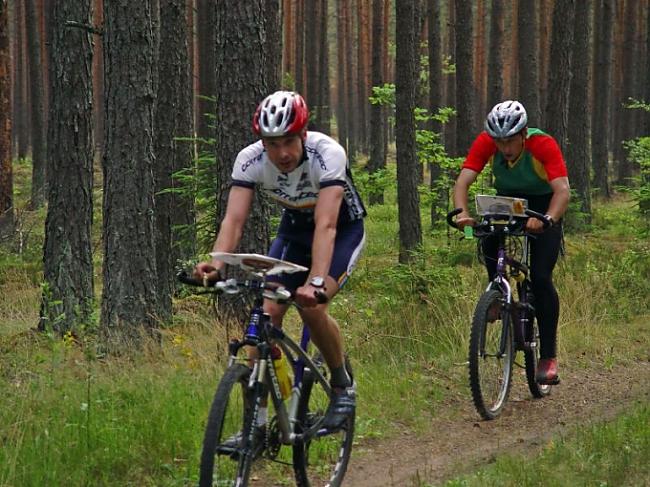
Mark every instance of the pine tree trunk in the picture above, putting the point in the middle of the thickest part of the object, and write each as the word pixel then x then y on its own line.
pixel 129 301
pixel 377 158
pixel 435 103
pixel 299 53
pixel 98 81
pixel 342 75
pixel 22 105
pixel 289 37
pixel 495 56
pixel 6 174
pixel 312 44
pixel 241 85
pixel 557 108
pixel 602 95
pixel 450 97
pixel 67 253
pixel 173 119
pixel 207 72
pixel 626 118
pixel 324 68
pixel 407 69
pixel 579 108
pixel 464 80
pixel 363 79
pixel 273 28
pixel 528 60
pixel 38 109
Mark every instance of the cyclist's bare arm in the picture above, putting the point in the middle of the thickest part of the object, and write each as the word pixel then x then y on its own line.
pixel 558 205
pixel 461 190
pixel 561 196
pixel 240 200
pixel 325 218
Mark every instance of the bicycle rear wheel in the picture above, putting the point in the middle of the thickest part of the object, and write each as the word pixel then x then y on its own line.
pixel 491 354
pixel 322 460
pixel 227 459
pixel 531 359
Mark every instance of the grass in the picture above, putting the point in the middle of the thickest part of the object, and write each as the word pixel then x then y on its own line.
pixel 69 417
pixel 609 454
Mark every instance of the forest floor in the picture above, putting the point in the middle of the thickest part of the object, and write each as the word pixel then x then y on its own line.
pixel 458 442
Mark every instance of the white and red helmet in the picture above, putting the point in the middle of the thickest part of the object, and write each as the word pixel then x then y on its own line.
pixel 281 113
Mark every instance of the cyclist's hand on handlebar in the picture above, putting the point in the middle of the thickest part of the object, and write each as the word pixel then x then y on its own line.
pixel 463 219
pixel 206 272
pixel 307 296
pixel 533 225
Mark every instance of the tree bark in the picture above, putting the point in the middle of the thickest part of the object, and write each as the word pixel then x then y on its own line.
pixel 129 301
pixel 557 108
pixel 342 115
pixel 435 103
pixel 407 64
pixel 273 28
pixel 38 110
pixel 300 49
pixel 313 78
pixel 377 158
pixel 495 56
pixel 450 97
pixel 528 60
pixel 464 79
pixel 98 81
pixel 22 105
pixel 324 113
pixel 207 72
pixel 363 68
pixel 67 302
pixel 173 119
pixel 241 86
pixel 579 108
pixel 626 118
pixel 6 174
pixel 602 99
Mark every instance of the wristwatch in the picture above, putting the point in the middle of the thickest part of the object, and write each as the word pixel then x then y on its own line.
pixel 550 219
pixel 317 281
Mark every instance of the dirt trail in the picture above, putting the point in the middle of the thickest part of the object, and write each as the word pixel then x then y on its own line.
pixel 452 447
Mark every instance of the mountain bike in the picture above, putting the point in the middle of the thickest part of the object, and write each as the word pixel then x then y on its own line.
pixel 504 321
pixel 234 446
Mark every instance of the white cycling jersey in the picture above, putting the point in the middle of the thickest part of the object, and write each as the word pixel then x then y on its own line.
pixel 324 164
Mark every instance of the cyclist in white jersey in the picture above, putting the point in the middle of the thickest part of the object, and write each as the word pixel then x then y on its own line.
pixel 321 228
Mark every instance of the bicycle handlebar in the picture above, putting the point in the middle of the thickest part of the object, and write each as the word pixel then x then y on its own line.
pixel 487 220
pixel 270 290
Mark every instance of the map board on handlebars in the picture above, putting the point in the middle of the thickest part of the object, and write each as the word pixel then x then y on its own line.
pixel 259 263
pixel 500 205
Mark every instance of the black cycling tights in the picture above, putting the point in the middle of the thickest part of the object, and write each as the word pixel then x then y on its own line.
pixel 545 249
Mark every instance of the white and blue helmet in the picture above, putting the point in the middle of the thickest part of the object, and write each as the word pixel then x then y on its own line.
pixel 506 119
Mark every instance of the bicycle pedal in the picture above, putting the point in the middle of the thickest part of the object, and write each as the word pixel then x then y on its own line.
pixel 225 450
pixel 552 382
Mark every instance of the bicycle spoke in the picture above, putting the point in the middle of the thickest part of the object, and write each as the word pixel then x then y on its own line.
pixel 490 365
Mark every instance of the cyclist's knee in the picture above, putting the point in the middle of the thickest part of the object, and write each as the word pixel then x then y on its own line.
pixel 314 316
pixel 276 311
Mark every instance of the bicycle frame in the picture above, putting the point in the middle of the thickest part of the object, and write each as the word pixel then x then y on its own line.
pixel 501 282
pixel 259 333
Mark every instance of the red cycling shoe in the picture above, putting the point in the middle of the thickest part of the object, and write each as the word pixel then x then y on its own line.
pixel 547 372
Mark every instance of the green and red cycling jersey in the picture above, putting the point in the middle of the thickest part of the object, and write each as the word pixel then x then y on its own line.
pixel 529 175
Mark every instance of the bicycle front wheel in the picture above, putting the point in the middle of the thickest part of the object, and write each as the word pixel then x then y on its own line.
pixel 229 444
pixel 491 354
pixel 322 460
